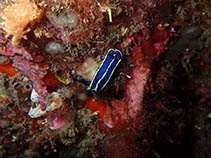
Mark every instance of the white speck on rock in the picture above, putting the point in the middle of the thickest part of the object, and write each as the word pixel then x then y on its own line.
pixel 36 112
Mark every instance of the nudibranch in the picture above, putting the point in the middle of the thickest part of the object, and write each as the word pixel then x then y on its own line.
pixel 104 71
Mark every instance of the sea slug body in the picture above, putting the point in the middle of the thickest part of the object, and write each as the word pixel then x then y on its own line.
pixel 105 70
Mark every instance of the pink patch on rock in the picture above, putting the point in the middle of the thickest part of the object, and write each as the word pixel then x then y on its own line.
pixel 121 108
pixel 157 41
pixel 10 50
pixel 116 114
pixel 137 54
pixel 107 119
pixel 34 71
pixel 135 90
pixel 130 40
pixel 57 123
pixel 40 87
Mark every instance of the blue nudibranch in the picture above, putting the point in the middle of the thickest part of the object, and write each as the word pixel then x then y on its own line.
pixel 104 71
